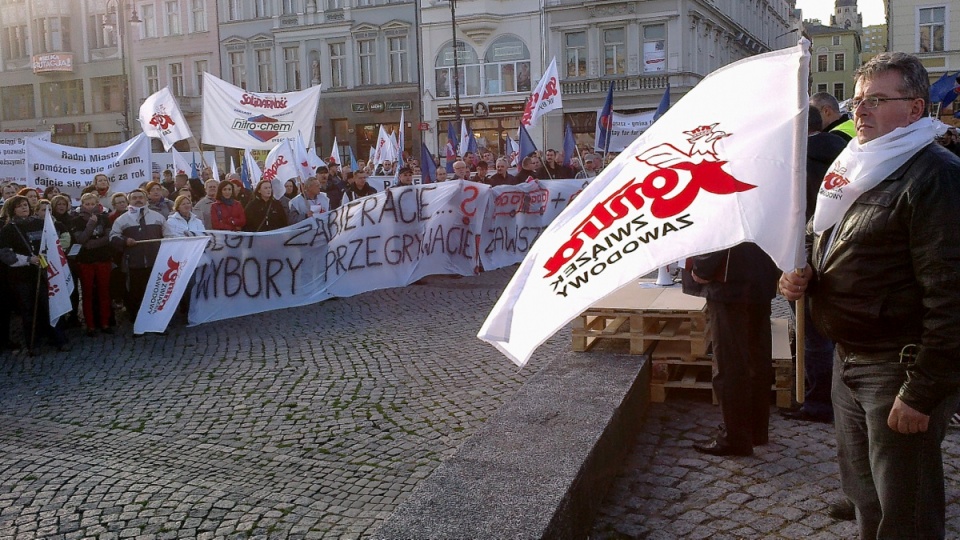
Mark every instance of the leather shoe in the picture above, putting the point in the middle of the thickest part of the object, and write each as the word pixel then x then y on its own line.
pixel 717 448
pixel 843 510
pixel 802 415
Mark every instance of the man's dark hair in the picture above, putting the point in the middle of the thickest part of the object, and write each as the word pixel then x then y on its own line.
pixel 323 169
pixel 814 120
pixel 915 81
pixel 405 170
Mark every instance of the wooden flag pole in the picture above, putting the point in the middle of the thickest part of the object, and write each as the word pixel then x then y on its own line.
pixel 800 332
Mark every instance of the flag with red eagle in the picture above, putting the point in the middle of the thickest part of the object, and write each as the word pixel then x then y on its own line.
pixel 723 166
pixel 160 118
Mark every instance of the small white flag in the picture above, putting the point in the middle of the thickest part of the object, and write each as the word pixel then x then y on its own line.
pixel 59 280
pixel 176 261
pixel 545 97
pixel 280 166
pixel 160 118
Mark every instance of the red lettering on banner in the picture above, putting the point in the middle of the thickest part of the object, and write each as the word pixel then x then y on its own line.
pixel 271 171
pixel 264 103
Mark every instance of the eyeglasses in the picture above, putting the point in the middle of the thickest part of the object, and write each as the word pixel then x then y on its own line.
pixel 873 102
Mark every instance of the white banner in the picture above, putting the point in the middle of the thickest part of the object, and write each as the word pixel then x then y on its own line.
pixel 59 279
pixel 176 262
pixel 545 97
pixel 626 128
pixel 127 165
pixel 13 155
pixel 164 160
pixel 385 240
pixel 160 118
pixel 236 118
pixel 726 165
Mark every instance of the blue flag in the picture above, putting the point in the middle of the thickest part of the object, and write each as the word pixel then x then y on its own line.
pixel 245 172
pixel 664 104
pixel 569 145
pixel 353 160
pixel 605 122
pixel 944 90
pixel 471 141
pixel 526 145
pixel 451 148
pixel 428 169
pixel 193 166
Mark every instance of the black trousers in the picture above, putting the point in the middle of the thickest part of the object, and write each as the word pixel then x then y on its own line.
pixel 742 349
pixel 136 287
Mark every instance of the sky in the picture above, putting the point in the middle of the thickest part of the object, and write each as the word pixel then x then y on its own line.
pixel 872 10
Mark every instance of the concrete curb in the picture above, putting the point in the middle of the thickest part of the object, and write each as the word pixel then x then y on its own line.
pixel 542 465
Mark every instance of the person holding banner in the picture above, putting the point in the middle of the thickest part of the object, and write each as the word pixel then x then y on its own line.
pixel 182 222
pixel 94 263
pixel 264 213
pixel 129 231
pixel 309 202
pixel 226 214
pixel 501 177
pixel 23 234
pixel 884 285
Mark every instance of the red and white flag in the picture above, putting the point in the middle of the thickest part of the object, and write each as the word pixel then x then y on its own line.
pixel 176 261
pixel 335 152
pixel 180 163
pixel 545 97
pixel 280 166
pixel 59 279
pixel 160 118
pixel 725 165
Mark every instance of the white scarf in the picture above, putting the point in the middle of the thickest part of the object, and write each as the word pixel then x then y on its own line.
pixel 860 167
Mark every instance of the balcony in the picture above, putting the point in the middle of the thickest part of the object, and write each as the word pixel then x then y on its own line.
pixel 620 84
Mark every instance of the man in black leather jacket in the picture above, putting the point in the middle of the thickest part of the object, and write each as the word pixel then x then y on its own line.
pixel 885 286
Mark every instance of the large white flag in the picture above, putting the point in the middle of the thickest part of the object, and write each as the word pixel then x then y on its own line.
pixel 176 261
pixel 305 165
pixel 160 118
pixel 239 119
pixel 545 97
pixel 180 163
pixel 59 280
pixel 386 148
pixel 723 166
pixel 280 166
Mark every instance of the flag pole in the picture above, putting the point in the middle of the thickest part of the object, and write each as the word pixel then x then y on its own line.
pixel 36 309
pixel 800 333
pixel 203 162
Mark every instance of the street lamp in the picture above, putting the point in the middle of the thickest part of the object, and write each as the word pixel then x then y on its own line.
pixel 456 69
pixel 116 7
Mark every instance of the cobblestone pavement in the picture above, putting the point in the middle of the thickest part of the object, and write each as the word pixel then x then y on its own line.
pixel 312 422
pixel 667 490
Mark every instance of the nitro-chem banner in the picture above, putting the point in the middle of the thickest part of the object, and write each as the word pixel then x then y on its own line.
pixel 236 118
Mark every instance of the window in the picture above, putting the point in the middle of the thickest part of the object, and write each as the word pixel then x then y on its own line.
pixel 172 9
pixel 613 51
pixel 836 41
pixel 838 62
pixel 176 78
pixel 148 14
pixel 821 87
pixel 468 65
pixel 654 48
pixel 398 59
pixel 18 102
pixel 288 7
pixel 14 42
pixel 364 3
pixel 821 63
pixel 838 91
pixel 337 59
pixel 233 10
pixel 52 35
pixel 368 59
pixel 107 94
pixel 198 16
pixel 238 70
pixel 62 98
pixel 261 8
pixel 199 67
pixel 291 68
pixel 931 28
pixel 334 4
pixel 265 70
pixel 152 76
pixel 576 46
pixel 506 66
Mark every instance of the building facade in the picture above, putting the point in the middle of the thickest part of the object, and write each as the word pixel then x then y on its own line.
pixel 834 59
pixel 62 70
pixel 174 43
pixel 874 40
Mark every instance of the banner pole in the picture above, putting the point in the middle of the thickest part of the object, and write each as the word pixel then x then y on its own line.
pixel 800 333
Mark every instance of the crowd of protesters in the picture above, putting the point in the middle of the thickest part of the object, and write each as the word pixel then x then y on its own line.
pixel 112 238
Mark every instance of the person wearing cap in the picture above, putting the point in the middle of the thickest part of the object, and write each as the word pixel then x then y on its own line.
pixel 331 186
pixel 404 177
pixel 589 167
pixel 359 187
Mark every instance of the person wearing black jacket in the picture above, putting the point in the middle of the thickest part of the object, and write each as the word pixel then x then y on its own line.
pixel 359 187
pixel 739 284
pixel 23 234
pixel 264 213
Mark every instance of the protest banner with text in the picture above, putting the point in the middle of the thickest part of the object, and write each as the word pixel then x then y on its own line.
pixel 13 155
pixel 71 168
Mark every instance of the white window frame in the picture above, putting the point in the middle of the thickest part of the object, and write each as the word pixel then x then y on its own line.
pixel 199 67
pixel 264 59
pixel 175 71
pixel 619 49
pixel 148 16
pixel 945 24
pixel 337 63
pixel 234 12
pixel 198 16
pixel 151 78
pixel 172 25
pixel 366 62
pixel 292 76
pixel 399 63
pixel 580 52
pixel 238 68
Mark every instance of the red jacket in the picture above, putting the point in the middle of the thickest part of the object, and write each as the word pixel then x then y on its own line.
pixel 227 217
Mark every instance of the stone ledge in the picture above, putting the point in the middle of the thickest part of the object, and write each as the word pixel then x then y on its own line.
pixel 542 465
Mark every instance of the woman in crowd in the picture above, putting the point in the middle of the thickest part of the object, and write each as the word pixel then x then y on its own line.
pixel 156 200
pixel 182 222
pixel 60 205
pixel 226 213
pixel 94 263
pixel 22 235
pixel 119 203
pixel 264 213
pixel 50 193
pixel 290 189
pixel 32 197
pixel 101 186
